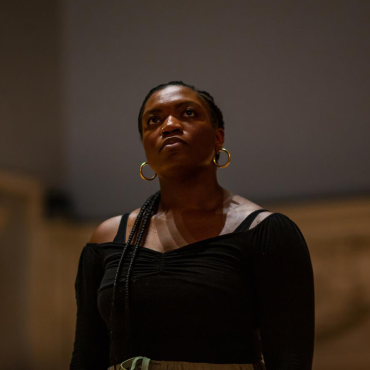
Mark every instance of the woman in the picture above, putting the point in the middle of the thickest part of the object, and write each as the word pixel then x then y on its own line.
pixel 198 277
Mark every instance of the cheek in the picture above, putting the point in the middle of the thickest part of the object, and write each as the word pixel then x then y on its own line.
pixel 204 143
pixel 205 137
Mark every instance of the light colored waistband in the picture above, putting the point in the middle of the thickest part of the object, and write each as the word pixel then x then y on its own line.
pixel 144 363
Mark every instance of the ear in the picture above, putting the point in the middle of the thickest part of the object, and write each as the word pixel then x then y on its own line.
pixel 219 138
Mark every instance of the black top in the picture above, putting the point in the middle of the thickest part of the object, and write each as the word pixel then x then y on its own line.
pixel 215 301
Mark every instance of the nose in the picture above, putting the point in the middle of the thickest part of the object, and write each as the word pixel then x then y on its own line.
pixel 171 124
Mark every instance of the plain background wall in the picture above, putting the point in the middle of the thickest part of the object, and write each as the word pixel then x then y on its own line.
pixel 31 126
pixel 291 78
pixel 30 143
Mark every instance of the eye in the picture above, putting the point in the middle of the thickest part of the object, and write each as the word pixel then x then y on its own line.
pixel 190 113
pixel 153 119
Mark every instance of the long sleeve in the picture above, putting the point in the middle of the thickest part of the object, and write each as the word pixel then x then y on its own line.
pixel 91 346
pixel 285 296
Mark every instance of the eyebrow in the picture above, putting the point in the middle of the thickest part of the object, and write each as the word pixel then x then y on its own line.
pixel 177 105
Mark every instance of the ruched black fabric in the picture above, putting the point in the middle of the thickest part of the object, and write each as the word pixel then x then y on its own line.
pixel 219 300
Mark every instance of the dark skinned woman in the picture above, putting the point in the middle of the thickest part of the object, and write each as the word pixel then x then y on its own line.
pixel 198 277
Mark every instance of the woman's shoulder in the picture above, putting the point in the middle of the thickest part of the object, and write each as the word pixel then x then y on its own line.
pixel 277 220
pixel 280 233
pixel 243 207
pixel 108 229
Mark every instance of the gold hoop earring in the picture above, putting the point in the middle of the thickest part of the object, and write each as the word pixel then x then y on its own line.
pixel 228 158
pixel 142 175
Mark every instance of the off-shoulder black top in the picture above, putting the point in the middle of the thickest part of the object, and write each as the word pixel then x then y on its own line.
pixel 220 300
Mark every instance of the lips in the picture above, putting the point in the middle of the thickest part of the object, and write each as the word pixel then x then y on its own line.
pixel 171 140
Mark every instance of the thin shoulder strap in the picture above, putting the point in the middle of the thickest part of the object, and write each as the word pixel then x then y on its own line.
pixel 248 221
pixel 121 234
pixel 252 216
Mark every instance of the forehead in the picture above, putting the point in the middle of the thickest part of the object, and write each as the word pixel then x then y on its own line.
pixel 171 95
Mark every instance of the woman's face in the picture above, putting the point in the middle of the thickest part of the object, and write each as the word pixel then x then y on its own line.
pixel 177 112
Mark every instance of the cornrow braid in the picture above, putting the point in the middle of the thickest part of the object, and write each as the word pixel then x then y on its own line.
pixel 217 118
pixel 146 211
pixel 216 113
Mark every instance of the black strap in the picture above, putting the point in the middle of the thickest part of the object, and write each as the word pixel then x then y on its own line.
pixel 248 221
pixel 121 234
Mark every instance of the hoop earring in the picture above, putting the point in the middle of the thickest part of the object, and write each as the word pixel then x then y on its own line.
pixel 228 158
pixel 142 175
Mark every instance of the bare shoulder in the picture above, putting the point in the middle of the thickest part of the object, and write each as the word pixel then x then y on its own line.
pixel 131 220
pixel 132 217
pixel 245 207
pixel 106 231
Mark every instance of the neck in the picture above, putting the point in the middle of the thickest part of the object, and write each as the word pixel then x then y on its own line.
pixel 199 193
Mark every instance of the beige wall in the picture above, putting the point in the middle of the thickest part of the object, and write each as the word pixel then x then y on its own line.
pixel 338 235
pixel 38 269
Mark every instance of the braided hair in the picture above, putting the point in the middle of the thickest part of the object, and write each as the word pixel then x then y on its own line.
pixel 148 209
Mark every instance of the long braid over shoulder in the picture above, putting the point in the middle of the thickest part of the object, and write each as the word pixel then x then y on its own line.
pixel 143 218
